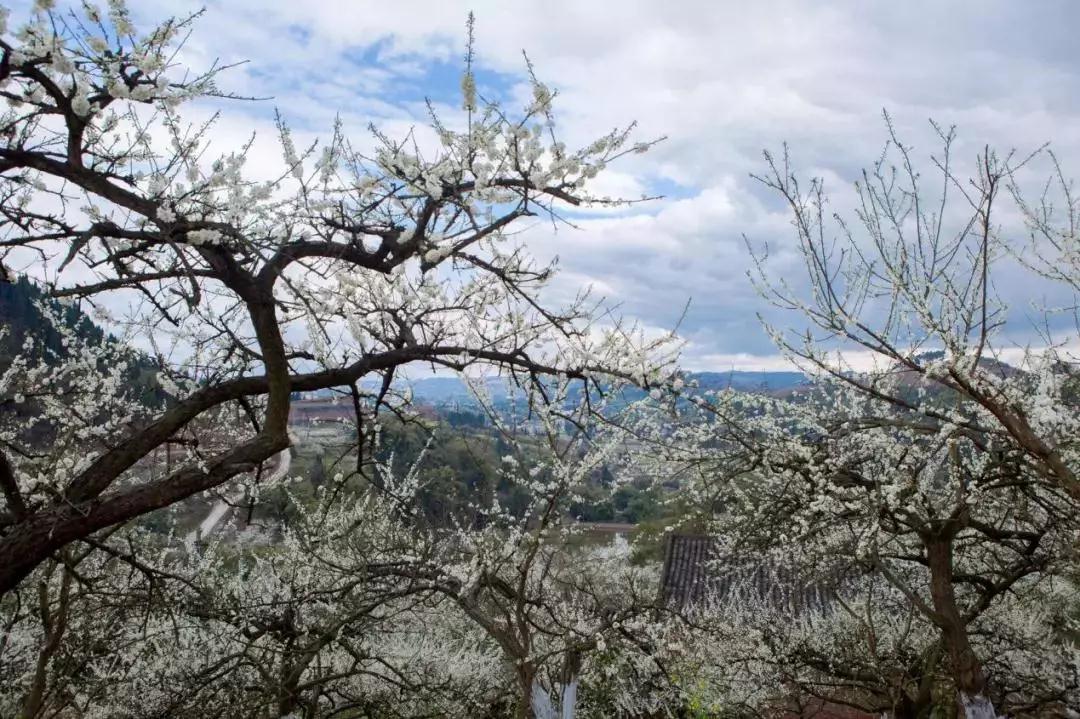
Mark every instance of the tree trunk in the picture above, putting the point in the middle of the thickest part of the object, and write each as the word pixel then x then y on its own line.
pixel 528 687
pixel 544 707
pixel 966 669
pixel 540 703
pixel 568 700
pixel 977 706
pixel 55 624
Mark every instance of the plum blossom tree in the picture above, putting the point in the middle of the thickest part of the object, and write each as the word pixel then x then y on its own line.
pixel 242 290
pixel 936 492
pixel 348 264
pixel 361 606
pixel 555 617
pixel 317 627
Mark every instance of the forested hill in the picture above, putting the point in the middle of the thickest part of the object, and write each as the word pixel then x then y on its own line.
pixel 20 316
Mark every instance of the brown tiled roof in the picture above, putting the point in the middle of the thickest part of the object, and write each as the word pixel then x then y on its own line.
pixel 684 577
pixel 695 575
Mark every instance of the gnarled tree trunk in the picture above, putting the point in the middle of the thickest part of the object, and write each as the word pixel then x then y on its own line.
pixel 965 667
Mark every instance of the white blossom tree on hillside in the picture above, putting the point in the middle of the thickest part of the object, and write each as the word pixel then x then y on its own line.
pixel 557 616
pixel 362 606
pixel 943 481
pixel 321 625
pixel 346 265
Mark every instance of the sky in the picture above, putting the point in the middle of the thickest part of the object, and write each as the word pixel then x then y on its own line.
pixel 720 80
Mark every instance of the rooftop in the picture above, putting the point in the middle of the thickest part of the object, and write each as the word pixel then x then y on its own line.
pixel 695 574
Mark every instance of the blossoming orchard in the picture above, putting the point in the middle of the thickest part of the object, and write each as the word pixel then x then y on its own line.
pixel 225 492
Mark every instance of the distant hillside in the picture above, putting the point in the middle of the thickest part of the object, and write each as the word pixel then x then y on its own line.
pixel 443 391
pixel 20 317
pixel 750 381
pixel 448 390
